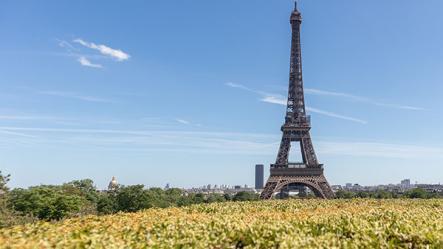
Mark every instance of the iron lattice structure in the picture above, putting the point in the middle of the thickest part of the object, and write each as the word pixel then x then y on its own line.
pixel 296 128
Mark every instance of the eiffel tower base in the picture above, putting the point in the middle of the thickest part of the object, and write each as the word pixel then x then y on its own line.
pixel 317 184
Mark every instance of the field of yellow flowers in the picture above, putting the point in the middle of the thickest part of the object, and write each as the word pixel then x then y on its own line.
pixel 270 224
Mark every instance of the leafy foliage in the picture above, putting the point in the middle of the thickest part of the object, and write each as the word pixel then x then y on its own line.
pixel 358 223
pixel 4 179
pixel 81 197
pixel 46 202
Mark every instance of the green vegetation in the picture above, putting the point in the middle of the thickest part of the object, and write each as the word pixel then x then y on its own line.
pixel 415 193
pixel 81 198
pixel 310 223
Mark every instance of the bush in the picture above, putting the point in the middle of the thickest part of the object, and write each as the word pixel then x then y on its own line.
pixel 132 199
pixel 46 202
pixel 246 196
pixel 419 193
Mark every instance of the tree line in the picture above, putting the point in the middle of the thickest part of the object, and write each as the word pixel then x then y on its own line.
pixel 416 193
pixel 81 197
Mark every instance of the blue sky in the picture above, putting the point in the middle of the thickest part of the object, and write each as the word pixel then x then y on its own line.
pixel 189 92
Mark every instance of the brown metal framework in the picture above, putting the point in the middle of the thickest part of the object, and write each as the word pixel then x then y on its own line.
pixel 308 173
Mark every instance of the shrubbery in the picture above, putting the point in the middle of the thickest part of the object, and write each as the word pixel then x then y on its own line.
pixel 415 193
pixel 79 198
pixel 312 223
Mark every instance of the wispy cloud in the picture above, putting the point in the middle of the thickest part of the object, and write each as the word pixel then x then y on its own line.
pixel 235 85
pixel 145 141
pixel 274 100
pixel 117 54
pixel 182 121
pixel 16 134
pixel 187 122
pixel 360 99
pixel 68 46
pixel 281 100
pixel 85 59
pixel 207 142
pixel 379 150
pixel 19 117
pixel 85 62
pixel 243 87
pixel 335 115
pixel 74 96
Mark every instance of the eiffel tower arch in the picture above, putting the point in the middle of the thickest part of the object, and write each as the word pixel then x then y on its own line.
pixel 297 126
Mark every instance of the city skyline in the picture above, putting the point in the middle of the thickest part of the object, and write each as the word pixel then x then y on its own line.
pixel 89 95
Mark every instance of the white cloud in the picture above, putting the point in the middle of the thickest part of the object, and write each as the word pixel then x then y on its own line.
pixel 105 50
pixel 274 100
pixel 235 85
pixel 16 134
pixel 379 150
pixel 282 101
pixel 68 46
pixel 242 87
pixel 85 62
pixel 335 115
pixel 145 141
pixel 16 117
pixel 74 96
pixel 182 121
pixel 208 142
pixel 361 99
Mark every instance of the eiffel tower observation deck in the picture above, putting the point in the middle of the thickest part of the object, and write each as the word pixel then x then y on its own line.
pixel 297 126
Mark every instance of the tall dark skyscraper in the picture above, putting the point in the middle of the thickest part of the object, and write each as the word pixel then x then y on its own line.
pixel 259 176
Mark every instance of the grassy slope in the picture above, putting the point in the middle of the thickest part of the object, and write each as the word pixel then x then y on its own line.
pixel 287 224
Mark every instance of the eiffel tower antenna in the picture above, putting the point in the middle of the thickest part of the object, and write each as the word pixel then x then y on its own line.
pixel 297 126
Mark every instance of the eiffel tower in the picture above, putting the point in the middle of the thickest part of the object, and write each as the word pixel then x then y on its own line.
pixel 308 173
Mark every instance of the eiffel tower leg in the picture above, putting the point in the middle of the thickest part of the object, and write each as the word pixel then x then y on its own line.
pixel 270 188
pixel 318 184
pixel 325 187
pixel 308 150
pixel 283 152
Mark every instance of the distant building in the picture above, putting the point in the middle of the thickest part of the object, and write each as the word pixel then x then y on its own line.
pixel 167 186
pixel 113 184
pixel 357 187
pixel 336 188
pixel 259 176
pixel 405 184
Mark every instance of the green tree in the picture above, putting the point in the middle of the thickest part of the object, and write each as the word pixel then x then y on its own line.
pixel 215 198
pixel 4 179
pixel 107 203
pixel 382 194
pixel 419 193
pixel 46 202
pixel 198 198
pixel 173 195
pixel 362 194
pixel 132 199
pixel 84 188
pixel 227 197
pixel 245 196
pixel 342 194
